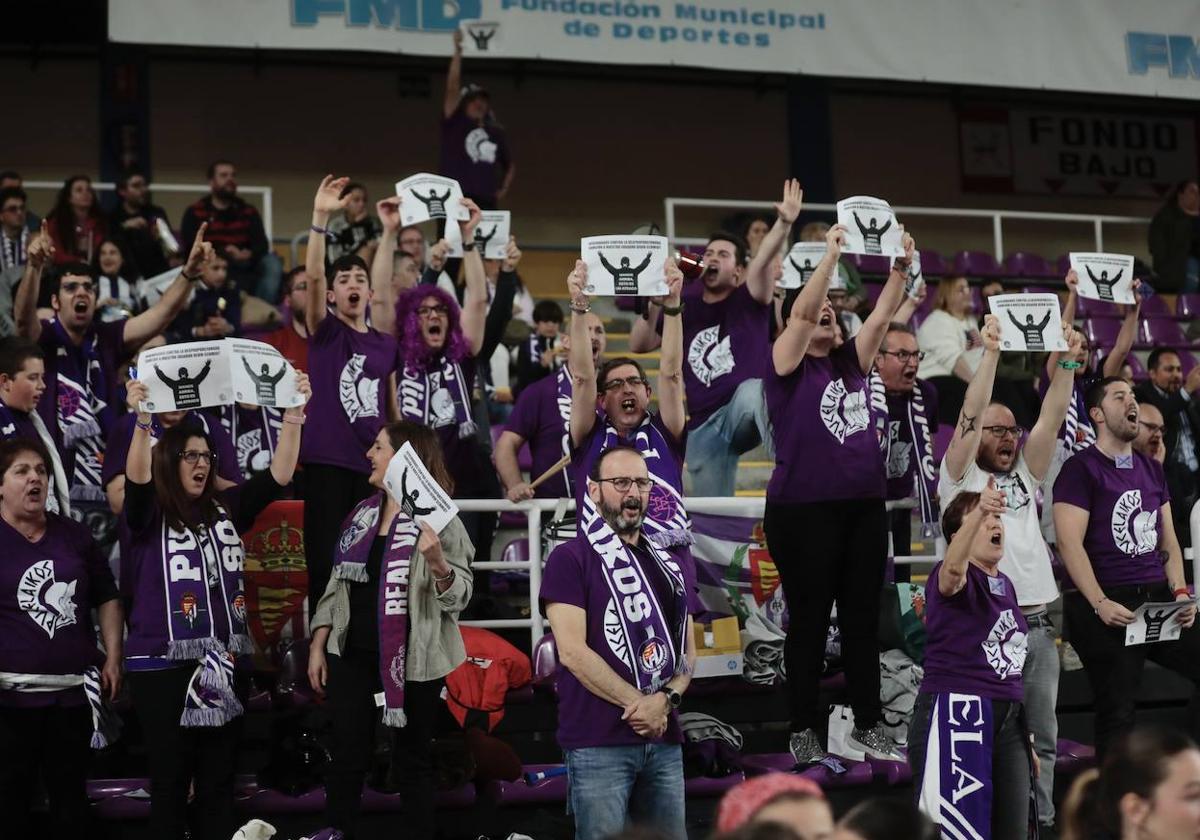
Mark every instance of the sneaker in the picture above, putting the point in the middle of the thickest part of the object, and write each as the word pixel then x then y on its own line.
pixel 805 747
pixel 876 743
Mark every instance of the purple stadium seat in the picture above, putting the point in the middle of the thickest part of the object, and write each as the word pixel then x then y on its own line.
pixel 1156 306
pixel 545 661
pixel 546 792
pixel 524 459
pixel 854 260
pixel 977 301
pixel 503 581
pixel 374 801
pixel 1041 290
pixel 1102 332
pixel 976 264
pixel 292 686
pixel 941 441
pixel 252 799
pixel 1064 264
pixel 119 799
pixel 858 773
pixel 1072 758
pixel 872 291
pixel 874 264
pixel 626 303
pixel 1139 370
pixel 1088 308
pixel 891 773
pixel 1188 305
pixel 258 701
pixel 705 787
pixel 932 264
pixel 1162 332
pixel 1025 264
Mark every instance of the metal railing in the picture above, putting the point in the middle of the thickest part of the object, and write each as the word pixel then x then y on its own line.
pixel 265 194
pixel 671 205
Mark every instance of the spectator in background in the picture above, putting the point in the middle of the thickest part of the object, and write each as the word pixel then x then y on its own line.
pixel 950 340
pixel 9 178
pixel 753 232
pixel 885 819
pixel 543 352
pixel 411 240
pixel 138 225
pixel 354 230
pixel 1181 484
pixel 116 296
pixel 236 231
pixel 474 145
pixel 215 310
pixel 1018 373
pixel 1165 390
pixel 22 382
pixel 14 232
pixel 1174 240
pixel 76 224
pixel 291 340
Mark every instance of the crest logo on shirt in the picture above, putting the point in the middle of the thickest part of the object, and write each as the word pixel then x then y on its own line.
pixel 49 602
pixel 710 355
pixel 652 656
pixel 1135 531
pixel 441 409
pixel 479 146
pixel 614 634
pixel 899 452
pixel 1014 489
pixel 844 413
pixel 252 457
pixel 359 395
pixel 1005 646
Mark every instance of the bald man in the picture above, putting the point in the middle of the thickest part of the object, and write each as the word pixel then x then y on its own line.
pixel 1180 482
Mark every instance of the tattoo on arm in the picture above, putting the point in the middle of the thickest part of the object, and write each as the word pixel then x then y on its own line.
pixel 966 425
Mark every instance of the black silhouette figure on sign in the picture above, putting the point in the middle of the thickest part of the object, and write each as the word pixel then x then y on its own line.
pixel 1156 622
pixel 186 388
pixel 872 234
pixel 481 241
pixel 265 381
pixel 1032 331
pixel 408 501
pixel 625 278
pixel 1104 286
pixel 805 271
pixel 482 36
pixel 436 204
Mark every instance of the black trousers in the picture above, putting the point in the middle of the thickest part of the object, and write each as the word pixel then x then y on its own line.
pixel 51 745
pixel 826 552
pixel 353 683
pixel 1114 670
pixel 330 493
pixel 180 756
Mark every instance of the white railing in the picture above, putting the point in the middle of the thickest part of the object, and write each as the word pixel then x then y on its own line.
pixel 265 194
pixel 533 509
pixel 997 217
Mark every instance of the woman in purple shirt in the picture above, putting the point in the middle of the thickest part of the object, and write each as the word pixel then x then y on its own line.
pixel 825 516
pixel 52 675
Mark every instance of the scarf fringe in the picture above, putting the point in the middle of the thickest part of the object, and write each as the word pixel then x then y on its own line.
pixel 207 717
pixel 193 648
pixel 87 493
pixel 467 429
pixel 395 718
pixel 240 643
pixel 670 538
pixel 77 431
pixel 356 572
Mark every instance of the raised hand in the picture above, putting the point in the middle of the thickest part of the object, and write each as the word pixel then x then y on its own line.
pixel 329 198
pixel 438 253
pixel 1074 342
pixel 577 284
pixel 992 499
pixel 200 254
pixel 468 227
pixel 674 281
pixel 304 389
pixel 793 199
pixel 512 255
pixel 1072 281
pixel 909 245
pixel 457 38
pixel 430 546
pixel 835 240
pixel 990 333
pixel 388 210
pixel 40 249
pixel 136 393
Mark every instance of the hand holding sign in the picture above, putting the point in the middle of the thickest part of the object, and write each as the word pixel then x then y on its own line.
pixel 207 373
pixel 1156 622
pixel 427 196
pixel 1029 322
pixel 870 225
pixel 1107 277
pixel 625 265
pixel 417 492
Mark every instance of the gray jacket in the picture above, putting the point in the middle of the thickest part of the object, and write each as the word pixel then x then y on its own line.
pixel 435 647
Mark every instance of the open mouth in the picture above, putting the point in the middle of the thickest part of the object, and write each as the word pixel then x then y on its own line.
pixel 81 307
pixel 354 298
pixel 631 506
pixel 629 404
pixel 1131 415
pixel 826 319
pixel 35 494
pixel 199 477
pixel 997 538
pixel 711 269
pixel 435 330
pixel 909 375
pixel 1006 450
pixel 595 347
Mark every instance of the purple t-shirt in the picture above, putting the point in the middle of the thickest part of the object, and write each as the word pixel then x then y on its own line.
pixel 117 452
pixel 543 420
pixel 574 575
pixel 904 456
pixel 975 640
pixel 474 155
pixel 1124 526
pixel 826 439
pixel 50 588
pixel 349 372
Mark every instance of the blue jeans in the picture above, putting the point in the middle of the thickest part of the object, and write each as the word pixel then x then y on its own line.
pixel 1040 679
pixel 610 786
pixel 713 447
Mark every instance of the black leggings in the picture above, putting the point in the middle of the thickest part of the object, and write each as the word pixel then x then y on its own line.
pixel 330 493
pixel 51 744
pixel 353 683
pixel 826 552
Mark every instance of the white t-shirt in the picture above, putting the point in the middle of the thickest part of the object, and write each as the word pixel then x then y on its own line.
pixel 1026 556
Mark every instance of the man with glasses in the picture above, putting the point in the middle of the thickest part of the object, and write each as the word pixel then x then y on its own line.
pixel 1181 483
pixel 987 444
pixel 14 233
pixel 618 607
pixel 1167 391
pixel 912 421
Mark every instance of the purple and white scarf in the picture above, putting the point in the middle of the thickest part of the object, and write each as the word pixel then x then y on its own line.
pixel 83 414
pixel 419 400
pixel 650 649
pixel 210 699
pixel 58 499
pixel 106 723
pixel 667 523
pixel 353 549
pixel 1077 431
pixel 564 390
pixel 925 477
pixel 14 251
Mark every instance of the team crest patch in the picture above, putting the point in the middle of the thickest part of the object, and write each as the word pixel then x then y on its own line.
pixel 359 395
pixel 844 413
pixel 396 669
pixel 238 607
pixel 1135 531
pixel 358 528
pixel 189 608
pixel 652 656
pixel 1005 646
pixel 661 504
pixel 47 601
pixel 709 355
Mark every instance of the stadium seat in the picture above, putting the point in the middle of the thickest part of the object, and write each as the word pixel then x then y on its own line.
pixel 977 264
pixel 1025 264
pixel 1187 305
pixel 545 662
pixel 874 264
pixel 1187 361
pixel 1063 264
pixel 1088 308
pixel 1102 332
pixel 1156 306
pixel 932 264
pixel 858 773
pixel 503 581
pixel 708 787
pixel 1162 332
pixel 890 773
pixel 292 687
pixel 119 799
pixel 1072 758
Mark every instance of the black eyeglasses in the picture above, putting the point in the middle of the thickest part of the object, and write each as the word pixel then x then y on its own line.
pixel 904 356
pixel 1152 428
pixel 426 311
pixel 15 208
pixel 623 483
pixel 72 286
pixel 618 384
pixel 195 456
pixel 1001 431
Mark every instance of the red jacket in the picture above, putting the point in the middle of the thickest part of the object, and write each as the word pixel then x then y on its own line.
pixel 493 667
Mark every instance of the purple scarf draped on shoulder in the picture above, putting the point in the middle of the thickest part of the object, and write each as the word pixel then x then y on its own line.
pixel 417 395
pixel 918 428
pixel 353 549
pixel 82 411
pixel 562 394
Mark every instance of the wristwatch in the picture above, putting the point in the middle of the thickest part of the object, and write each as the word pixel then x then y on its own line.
pixel 673 696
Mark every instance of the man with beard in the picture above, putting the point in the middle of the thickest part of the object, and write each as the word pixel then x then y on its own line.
pixel 135 224
pixel 618 607
pixel 1167 391
pixel 912 421
pixel 726 329
pixel 987 445
pixel 1109 505
pixel 291 340
pixel 542 417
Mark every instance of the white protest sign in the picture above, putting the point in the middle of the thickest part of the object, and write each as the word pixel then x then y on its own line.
pixel 206 373
pixel 625 265
pixel 419 495
pixel 481 37
pixel 1104 276
pixel 424 197
pixel 871 226
pixel 800 263
pixel 153 288
pixel 1157 621
pixel 1031 322
pixel 914 280
pixel 491 236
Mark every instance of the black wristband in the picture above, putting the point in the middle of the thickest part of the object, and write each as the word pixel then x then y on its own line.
pixel 468 246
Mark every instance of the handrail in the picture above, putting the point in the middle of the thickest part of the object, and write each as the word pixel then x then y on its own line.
pixel 1098 221
pixel 267 194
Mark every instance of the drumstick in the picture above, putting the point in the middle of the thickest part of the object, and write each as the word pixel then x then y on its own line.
pixel 562 462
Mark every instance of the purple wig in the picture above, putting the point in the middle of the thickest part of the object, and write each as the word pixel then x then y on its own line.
pixel 417 355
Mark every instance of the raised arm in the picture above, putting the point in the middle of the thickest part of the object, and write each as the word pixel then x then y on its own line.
pixel 453 78
pixel 670 366
pixel 952 575
pixel 1068 316
pixel 583 367
pixel 908 306
pixel 760 278
pixel 1070 525
pixel 287 450
pixel 141 328
pixel 789 349
pixel 500 310
pixel 870 337
pixel 39 252
pixel 327 201
pixel 964 445
pixel 383 263
pixel 644 337
pixel 1125 338
pixel 137 462
pixel 475 302
pixel 1043 438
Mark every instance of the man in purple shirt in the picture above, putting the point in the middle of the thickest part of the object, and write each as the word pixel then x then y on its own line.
pixel 1112 513
pixel 726 327
pixel 618 610
pixel 542 417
